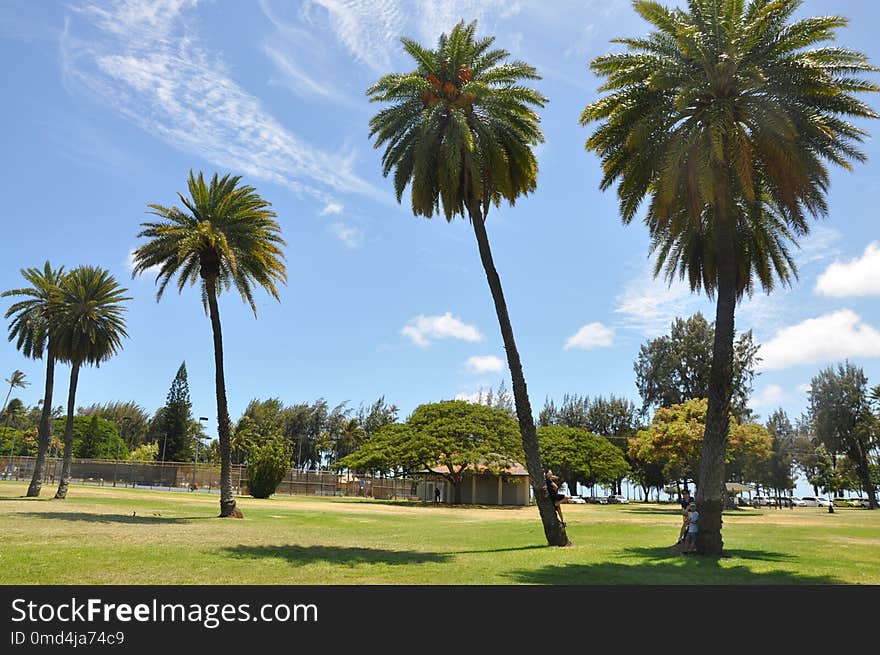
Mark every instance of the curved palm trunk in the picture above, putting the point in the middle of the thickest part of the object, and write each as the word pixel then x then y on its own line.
pixel 553 529
pixel 45 429
pixel 711 477
pixel 227 499
pixel 64 483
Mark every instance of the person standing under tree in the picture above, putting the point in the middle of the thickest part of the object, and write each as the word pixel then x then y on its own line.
pixel 436 495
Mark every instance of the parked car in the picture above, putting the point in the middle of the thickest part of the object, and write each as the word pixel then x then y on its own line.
pixel 617 500
pixel 798 502
pixel 815 501
pixel 577 500
pixel 597 500
pixel 858 502
pixel 759 501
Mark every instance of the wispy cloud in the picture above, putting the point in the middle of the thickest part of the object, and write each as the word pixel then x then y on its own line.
pixel 821 340
pixel 592 335
pixel 371 29
pixel 770 396
pixel 422 329
pixel 350 236
pixel 332 208
pixel 148 63
pixel 479 364
pixel 648 305
pixel 857 277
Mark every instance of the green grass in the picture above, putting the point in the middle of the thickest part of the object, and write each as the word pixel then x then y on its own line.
pixel 124 536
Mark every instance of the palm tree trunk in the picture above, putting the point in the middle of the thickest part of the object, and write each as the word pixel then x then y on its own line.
pixel 64 483
pixel 554 531
pixel 45 430
pixel 711 477
pixel 227 499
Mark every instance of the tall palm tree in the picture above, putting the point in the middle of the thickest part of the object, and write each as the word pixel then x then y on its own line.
pixel 225 236
pixel 29 328
pixel 15 381
pixel 460 132
pixel 725 117
pixel 87 327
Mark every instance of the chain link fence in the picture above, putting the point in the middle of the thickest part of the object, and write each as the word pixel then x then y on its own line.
pixel 186 476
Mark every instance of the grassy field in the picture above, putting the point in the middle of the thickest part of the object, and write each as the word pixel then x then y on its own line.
pixel 124 536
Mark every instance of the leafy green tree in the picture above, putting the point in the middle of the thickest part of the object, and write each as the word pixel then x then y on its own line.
pixel 267 465
pixel 841 415
pixel 131 420
pixel 394 448
pixel 456 436
pixel 460 132
pixel 94 438
pixel 781 463
pixel 614 418
pixel 676 434
pixel 87 328
pixel 146 452
pixel 225 236
pixel 378 415
pixel 674 368
pixel 576 455
pixel 724 117
pixel 30 329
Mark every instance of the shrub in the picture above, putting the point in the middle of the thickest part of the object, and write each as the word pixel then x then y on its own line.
pixel 267 466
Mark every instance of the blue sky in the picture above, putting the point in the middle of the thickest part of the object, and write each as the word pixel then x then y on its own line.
pixel 108 105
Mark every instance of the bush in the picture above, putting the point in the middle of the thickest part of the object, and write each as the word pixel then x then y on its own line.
pixel 266 467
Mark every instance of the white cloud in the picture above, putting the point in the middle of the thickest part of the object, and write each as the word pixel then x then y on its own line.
pixel 484 364
pixel 473 398
pixel 145 61
pixel 351 236
pixel 129 262
pixel 770 396
pixel 857 277
pixel 832 337
pixel 422 329
pixel 592 335
pixel 371 29
pixel 649 305
pixel 332 208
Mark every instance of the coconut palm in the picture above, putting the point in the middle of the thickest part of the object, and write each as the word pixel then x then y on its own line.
pixel 15 381
pixel 29 328
pixel 725 117
pixel 460 132
pixel 87 327
pixel 225 236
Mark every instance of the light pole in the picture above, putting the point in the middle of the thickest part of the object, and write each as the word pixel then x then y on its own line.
pixel 162 470
pixel 193 487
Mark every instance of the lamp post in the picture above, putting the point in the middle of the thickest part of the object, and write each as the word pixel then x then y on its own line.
pixel 193 487
pixel 162 470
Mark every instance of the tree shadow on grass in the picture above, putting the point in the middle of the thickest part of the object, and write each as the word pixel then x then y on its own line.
pixel 147 519
pixel 296 555
pixel 669 568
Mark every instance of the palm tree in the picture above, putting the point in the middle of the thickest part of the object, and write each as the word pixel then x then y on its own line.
pixel 725 119
pixel 16 381
pixel 460 132
pixel 29 328
pixel 225 236
pixel 87 328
